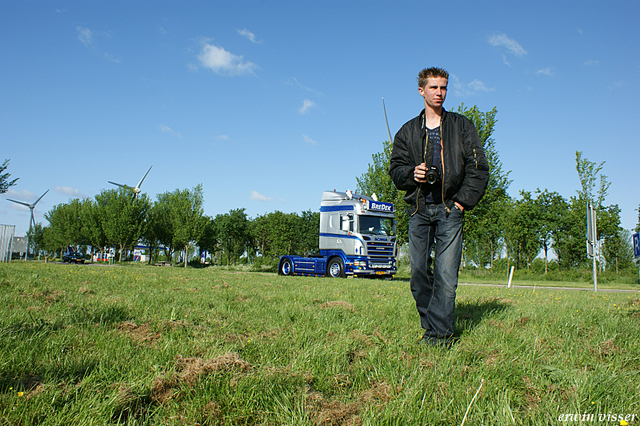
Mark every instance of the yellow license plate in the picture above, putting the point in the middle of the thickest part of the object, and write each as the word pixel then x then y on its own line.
pixel 380 272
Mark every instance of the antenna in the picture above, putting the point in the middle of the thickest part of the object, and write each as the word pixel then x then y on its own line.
pixel 386 121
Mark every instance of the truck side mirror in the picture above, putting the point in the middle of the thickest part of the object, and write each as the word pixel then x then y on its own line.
pixel 346 222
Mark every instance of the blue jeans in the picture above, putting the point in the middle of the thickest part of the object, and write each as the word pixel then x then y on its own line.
pixel 434 280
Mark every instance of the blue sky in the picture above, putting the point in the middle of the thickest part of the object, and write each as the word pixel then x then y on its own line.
pixel 267 104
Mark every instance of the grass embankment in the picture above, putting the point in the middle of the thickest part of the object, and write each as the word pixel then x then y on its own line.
pixel 82 344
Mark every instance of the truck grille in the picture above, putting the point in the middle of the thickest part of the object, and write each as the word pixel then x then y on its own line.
pixel 378 249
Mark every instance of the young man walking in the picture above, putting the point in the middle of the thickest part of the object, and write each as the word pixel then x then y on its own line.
pixel 439 161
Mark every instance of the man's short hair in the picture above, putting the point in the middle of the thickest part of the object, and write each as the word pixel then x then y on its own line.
pixel 424 75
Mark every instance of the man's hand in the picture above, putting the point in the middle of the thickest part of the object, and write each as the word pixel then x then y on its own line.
pixel 420 173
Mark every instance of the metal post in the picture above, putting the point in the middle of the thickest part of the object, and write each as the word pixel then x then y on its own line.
pixel 592 239
pixel 595 275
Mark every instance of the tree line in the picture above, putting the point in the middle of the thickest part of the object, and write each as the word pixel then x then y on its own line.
pixel 175 224
pixel 502 230
pixel 499 232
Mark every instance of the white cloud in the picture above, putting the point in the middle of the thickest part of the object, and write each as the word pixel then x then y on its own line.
pixel 616 84
pixel 474 88
pixel 294 82
pixel 23 195
pixel 504 59
pixel 69 191
pixel 255 195
pixel 248 35
pixel 168 129
pixel 545 71
pixel 511 45
pixel 112 58
pixel 592 63
pixel 221 61
pixel 478 86
pixel 85 35
pixel 222 137
pixel 310 141
pixel 306 105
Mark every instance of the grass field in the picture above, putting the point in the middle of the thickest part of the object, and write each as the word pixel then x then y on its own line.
pixel 101 345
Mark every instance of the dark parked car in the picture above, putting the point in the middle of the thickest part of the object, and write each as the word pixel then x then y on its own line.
pixel 72 257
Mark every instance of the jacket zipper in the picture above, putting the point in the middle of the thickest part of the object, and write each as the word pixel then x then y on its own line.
pixel 424 159
pixel 442 161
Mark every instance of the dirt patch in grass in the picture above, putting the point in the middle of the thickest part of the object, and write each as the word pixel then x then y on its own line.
pixel 328 412
pixel 607 348
pixel 48 296
pixel 175 325
pixel 190 370
pixel 139 334
pixel 337 304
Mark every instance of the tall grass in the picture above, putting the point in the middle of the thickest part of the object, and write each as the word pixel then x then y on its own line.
pixel 100 345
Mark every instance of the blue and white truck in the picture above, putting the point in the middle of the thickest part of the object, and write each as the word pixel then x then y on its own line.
pixel 357 238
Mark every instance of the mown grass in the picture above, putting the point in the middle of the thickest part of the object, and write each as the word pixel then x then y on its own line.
pixel 100 345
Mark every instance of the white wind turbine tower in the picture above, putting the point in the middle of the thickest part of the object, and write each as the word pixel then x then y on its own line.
pixel 32 222
pixel 136 190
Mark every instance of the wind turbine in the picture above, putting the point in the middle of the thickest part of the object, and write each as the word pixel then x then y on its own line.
pixel 32 223
pixel 136 190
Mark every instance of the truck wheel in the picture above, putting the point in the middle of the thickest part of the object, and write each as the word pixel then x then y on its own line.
pixel 286 268
pixel 335 268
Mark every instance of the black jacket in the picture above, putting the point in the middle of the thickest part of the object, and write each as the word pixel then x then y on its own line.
pixel 465 171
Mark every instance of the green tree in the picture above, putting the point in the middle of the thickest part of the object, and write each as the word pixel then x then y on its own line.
pixel 124 217
pixel 91 218
pixel 186 215
pixel 5 183
pixel 550 209
pixel 309 232
pixel 234 234
pixel 588 173
pixel 161 224
pixel 569 243
pixel 618 251
pixel 35 236
pixel 570 246
pixel 484 225
pixel 523 231
pixel 149 237
pixel 65 226
pixel 208 241
pixel 276 234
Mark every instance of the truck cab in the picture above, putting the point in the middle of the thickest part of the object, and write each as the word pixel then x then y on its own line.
pixel 357 238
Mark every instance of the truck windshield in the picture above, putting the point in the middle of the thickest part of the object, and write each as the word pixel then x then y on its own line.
pixel 374 225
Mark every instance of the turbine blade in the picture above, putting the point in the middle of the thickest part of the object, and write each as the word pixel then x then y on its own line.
pixel 117 184
pixel 34 204
pixel 19 202
pixel 141 180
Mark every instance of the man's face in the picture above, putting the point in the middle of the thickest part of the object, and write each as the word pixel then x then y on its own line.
pixel 434 92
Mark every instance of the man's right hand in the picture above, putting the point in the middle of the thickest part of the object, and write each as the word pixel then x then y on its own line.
pixel 420 173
